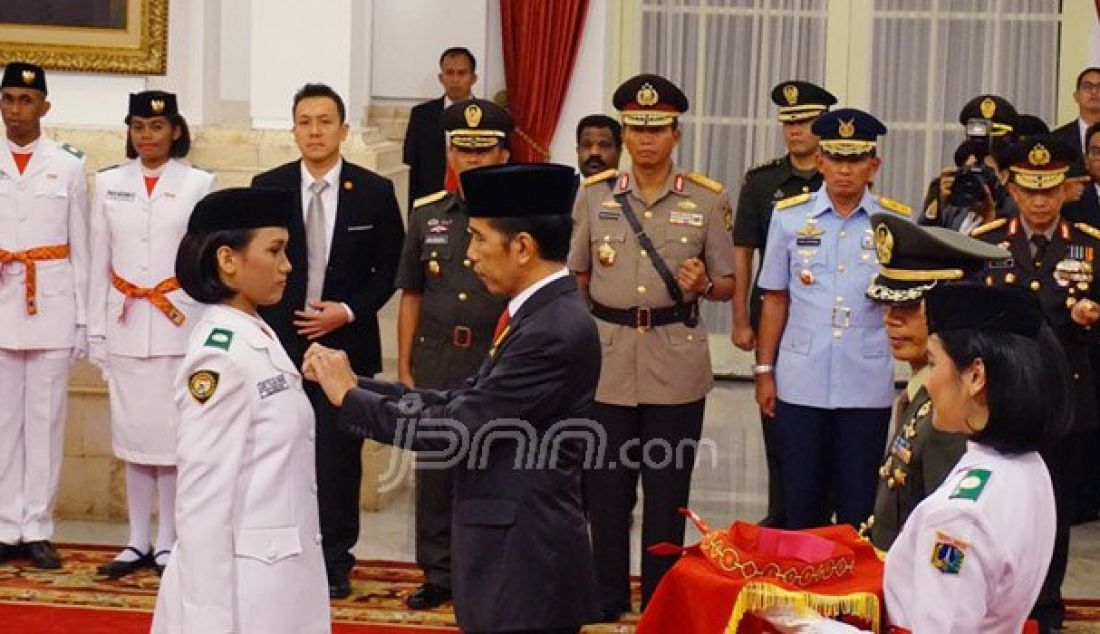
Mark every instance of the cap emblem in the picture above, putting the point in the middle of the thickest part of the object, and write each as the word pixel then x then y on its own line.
pixel 847 129
pixel 790 92
pixel 29 77
pixel 647 95
pixel 473 115
pixel 988 107
pixel 1038 155
pixel 884 244
pixel 157 106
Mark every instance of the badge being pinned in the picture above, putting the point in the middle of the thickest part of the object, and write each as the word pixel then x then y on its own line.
pixel 948 553
pixel 202 384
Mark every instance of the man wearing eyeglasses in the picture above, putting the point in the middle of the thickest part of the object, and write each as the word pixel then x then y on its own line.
pixel 1087 96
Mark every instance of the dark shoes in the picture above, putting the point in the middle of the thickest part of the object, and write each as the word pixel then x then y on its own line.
pixel 428 596
pixel 9 551
pixel 772 522
pixel 339 589
pixel 118 569
pixel 612 615
pixel 42 554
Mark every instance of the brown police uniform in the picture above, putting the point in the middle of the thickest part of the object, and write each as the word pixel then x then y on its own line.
pixel 656 367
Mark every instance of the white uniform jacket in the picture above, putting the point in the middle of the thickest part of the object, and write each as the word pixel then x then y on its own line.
pixel 248 557
pixel 136 236
pixel 46 205
pixel 973 555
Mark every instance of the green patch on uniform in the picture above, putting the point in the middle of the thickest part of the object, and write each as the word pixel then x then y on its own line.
pixel 948 554
pixel 970 487
pixel 202 384
pixel 72 150
pixel 219 338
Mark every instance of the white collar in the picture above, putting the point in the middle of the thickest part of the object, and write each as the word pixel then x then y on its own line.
pixel 331 177
pixel 516 302
pixel 23 149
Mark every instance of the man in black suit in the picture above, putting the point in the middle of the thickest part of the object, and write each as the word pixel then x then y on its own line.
pixel 521 555
pixel 344 251
pixel 425 150
pixel 1086 94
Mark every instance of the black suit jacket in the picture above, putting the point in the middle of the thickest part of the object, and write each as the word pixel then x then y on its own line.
pixel 521 555
pixel 1086 210
pixel 425 150
pixel 362 264
pixel 1070 134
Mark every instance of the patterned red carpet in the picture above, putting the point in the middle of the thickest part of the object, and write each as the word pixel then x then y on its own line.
pixel 75 601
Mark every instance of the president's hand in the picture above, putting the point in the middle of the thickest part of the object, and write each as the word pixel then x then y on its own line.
pixel 323 319
pixel 332 370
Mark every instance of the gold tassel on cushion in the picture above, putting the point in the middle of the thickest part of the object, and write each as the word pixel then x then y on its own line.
pixel 755 597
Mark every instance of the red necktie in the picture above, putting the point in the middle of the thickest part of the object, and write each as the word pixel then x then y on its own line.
pixel 502 326
pixel 150 184
pixel 21 160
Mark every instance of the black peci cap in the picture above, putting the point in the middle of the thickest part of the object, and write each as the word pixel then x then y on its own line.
pixel 520 189
pixel 978 307
pixel 24 75
pixel 243 208
pixel 153 103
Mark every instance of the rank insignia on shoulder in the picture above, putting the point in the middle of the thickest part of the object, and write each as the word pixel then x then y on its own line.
pixel 219 338
pixel 924 409
pixel 72 150
pixel 1088 229
pixel 972 484
pixel 895 206
pixel 792 201
pixel 987 227
pixel 202 384
pixel 705 181
pixel 601 177
pixel 430 198
pixel 948 553
pixel 108 168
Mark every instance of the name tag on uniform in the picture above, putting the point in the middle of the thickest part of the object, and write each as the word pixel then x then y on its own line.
pixel 360 228
pixel 113 194
pixel 607 214
pixel 809 241
pixel 272 386
pixel 437 238
pixel 685 218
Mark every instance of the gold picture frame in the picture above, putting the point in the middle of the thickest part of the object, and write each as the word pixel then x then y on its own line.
pixel 132 38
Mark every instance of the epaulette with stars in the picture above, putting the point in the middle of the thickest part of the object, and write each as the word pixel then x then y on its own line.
pixel 601 177
pixel 987 227
pixel 895 206
pixel 430 198
pixel 108 168
pixel 1087 229
pixel 72 150
pixel 705 181
pixel 792 201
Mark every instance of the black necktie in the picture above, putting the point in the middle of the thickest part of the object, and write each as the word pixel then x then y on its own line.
pixel 1040 243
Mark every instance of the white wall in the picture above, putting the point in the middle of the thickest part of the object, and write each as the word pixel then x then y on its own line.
pixel 234 84
pixel 408 37
pixel 588 87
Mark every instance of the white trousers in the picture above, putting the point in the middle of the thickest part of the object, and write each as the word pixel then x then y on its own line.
pixel 32 429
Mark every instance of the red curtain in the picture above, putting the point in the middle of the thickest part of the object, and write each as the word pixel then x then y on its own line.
pixel 540 40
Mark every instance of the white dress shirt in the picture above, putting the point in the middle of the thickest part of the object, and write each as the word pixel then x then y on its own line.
pixel 329 198
pixel 516 302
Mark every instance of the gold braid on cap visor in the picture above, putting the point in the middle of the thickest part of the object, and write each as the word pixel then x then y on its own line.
pixel 1038 179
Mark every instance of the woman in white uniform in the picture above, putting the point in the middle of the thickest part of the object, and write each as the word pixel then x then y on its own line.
pixel 973 555
pixel 248 559
pixel 138 317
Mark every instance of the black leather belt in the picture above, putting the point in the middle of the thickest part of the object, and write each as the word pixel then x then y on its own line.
pixel 644 318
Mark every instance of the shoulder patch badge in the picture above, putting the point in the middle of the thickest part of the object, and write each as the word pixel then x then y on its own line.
pixel 895 206
pixel 1088 229
pixel 987 227
pixel 948 554
pixel 219 338
pixel 792 201
pixel 202 384
pixel 601 176
pixel 72 150
pixel 705 181
pixel 972 484
pixel 430 198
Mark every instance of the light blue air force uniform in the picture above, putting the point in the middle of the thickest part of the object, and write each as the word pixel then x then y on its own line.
pixel 834 352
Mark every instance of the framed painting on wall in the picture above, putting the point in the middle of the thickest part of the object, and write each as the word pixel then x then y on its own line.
pixel 102 36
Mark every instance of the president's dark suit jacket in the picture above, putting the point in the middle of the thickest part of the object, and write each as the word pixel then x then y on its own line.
pixel 521 555
pixel 362 264
pixel 425 150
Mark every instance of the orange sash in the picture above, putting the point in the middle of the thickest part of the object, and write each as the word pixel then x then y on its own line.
pixel 156 296
pixel 28 258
